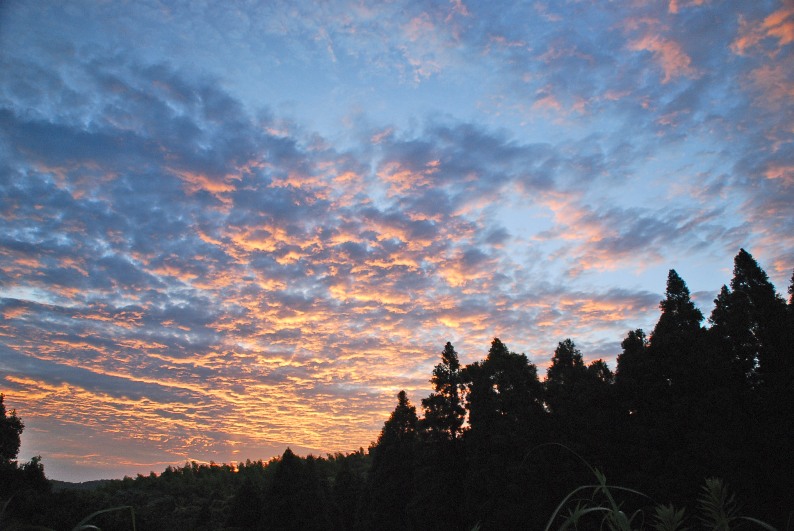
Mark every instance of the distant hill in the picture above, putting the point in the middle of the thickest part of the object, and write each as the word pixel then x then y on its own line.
pixel 85 485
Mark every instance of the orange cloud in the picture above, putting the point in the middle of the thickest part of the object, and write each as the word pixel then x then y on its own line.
pixel 14 313
pixel 402 179
pixel 194 182
pixel 783 173
pixel 675 5
pixel 669 54
pixel 778 27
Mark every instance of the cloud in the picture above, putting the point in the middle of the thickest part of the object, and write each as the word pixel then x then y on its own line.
pixel 673 60
pixel 776 29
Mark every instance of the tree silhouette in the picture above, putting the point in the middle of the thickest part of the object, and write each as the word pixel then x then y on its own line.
pixel 295 500
pixel 348 489
pixel 444 412
pixel 679 314
pixel 749 328
pixel 674 391
pixel 11 428
pixel 391 479
pixel 441 464
pixel 748 319
pixel 504 392
pixel 506 418
pixel 633 369
pixel 565 378
pixel 245 508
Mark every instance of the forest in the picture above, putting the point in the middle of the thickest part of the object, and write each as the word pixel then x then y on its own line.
pixel 692 427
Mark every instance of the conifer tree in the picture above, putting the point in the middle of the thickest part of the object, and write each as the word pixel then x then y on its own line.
pixel 748 320
pixel 400 428
pixel 390 484
pixel 672 390
pixel 749 325
pixel 633 370
pixel 441 462
pixel 578 399
pixel 679 314
pixel 506 418
pixel 503 389
pixel 678 357
pixel 444 410
pixel 565 378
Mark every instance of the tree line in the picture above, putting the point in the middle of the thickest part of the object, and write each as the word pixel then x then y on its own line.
pixel 495 446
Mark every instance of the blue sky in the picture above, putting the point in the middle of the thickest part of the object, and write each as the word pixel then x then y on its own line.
pixel 229 227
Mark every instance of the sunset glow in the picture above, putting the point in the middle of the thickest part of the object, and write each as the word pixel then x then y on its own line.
pixel 227 230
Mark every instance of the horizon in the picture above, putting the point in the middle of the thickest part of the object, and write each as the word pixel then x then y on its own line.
pixel 231 231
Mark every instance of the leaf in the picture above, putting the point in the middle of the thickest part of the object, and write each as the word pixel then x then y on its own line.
pixel 667 518
pixel 83 524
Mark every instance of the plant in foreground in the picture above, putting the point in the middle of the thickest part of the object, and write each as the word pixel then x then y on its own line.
pixel 718 509
pixel 83 525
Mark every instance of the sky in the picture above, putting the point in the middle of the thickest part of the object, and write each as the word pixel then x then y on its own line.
pixel 229 227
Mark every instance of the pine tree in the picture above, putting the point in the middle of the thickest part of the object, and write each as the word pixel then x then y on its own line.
pixel 390 485
pixel 748 320
pixel 670 396
pixel 749 324
pixel 400 428
pixel 444 410
pixel 679 314
pixel 245 507
pixel 632 372
pixel 503 390
pixel 441 462
pixel 564 379
pixel 506 418
pixel 678 356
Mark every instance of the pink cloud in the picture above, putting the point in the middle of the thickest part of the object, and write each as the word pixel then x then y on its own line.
pixel 669 54
pixel 675 5
pixel 779 27
pixel 785 174
pixel 774 85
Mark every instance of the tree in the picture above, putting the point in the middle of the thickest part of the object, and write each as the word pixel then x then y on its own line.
pixel 679 314
pixel 751 333
pixel 13 477
pixel 678 357
pixel 504 390
pixel 296 499
pixel 245 507
pixel 667 395
pixel 632 371
pixel 506 419
pixel 444 410
pixel 579 400
pixel 748 321
pixel 348 486
pixel 440 464
pixel 564 379
pixel 11 428
pixel 391 479
pixel 400 428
